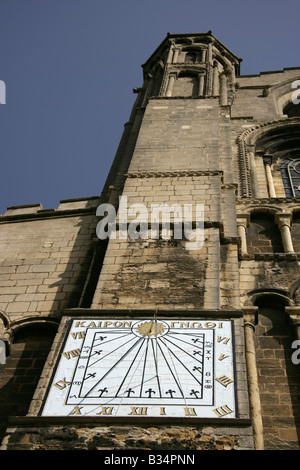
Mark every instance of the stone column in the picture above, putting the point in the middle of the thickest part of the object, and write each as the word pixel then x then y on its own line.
pixel 253 174
pixel 232 79
pixel 175 55
pixel 243 221
pixel 254 396
pixel 223 90
pixel 215 80
pixel 170 84
pixel 283 220
pixel 269 176
pixel 170 54
pixel 210 54
pixel 201 84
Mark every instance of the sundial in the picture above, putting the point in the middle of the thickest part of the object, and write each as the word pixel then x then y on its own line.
pixel 150 367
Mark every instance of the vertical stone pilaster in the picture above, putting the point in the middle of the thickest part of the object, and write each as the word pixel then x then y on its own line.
pixel 216 84
pixel 223 90
pixel 269 177
pixel 201 83
pixel 254 395
pixel 170 86
pixel 242 224
pixel 284 224
pixel 253 174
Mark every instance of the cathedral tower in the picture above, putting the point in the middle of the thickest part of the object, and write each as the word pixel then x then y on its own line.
pixel 181 310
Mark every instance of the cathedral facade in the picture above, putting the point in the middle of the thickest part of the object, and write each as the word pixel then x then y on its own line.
pixel 165 313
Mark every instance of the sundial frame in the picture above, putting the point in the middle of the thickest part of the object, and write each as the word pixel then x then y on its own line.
pixel 151 367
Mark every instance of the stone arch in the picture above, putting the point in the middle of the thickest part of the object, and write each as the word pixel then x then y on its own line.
pixel 262 148
pixel 33 323
pixel 266 295
pixel 284 94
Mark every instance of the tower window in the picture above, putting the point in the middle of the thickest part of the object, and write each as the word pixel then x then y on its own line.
pixel 190 58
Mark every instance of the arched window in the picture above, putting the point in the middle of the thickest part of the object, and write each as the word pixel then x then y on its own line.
pixel 277 161
pixel 290 174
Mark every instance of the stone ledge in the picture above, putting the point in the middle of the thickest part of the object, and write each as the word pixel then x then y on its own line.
pixel 270 256
pixel 166 174
pixel 140 312
pixel 32 421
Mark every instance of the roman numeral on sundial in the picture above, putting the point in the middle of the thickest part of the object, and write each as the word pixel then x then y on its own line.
pixel 61 384
pixel 222 411
pixel 224 380
pixel 71 354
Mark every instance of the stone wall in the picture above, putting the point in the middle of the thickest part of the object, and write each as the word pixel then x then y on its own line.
pixel 44 262
pixel 126 438
pixel 21 373
pixel 278 378
pixel 45 258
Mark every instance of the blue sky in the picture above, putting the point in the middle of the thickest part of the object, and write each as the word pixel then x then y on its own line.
pixel 70 66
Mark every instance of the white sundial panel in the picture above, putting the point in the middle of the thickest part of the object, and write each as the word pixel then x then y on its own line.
pixel 144 367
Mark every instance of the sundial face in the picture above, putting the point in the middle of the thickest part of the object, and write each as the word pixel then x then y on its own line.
pixel 149 367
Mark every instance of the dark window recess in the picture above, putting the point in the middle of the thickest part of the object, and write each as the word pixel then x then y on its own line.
pixel 263 235
pixel 295 231
pixel 190 58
